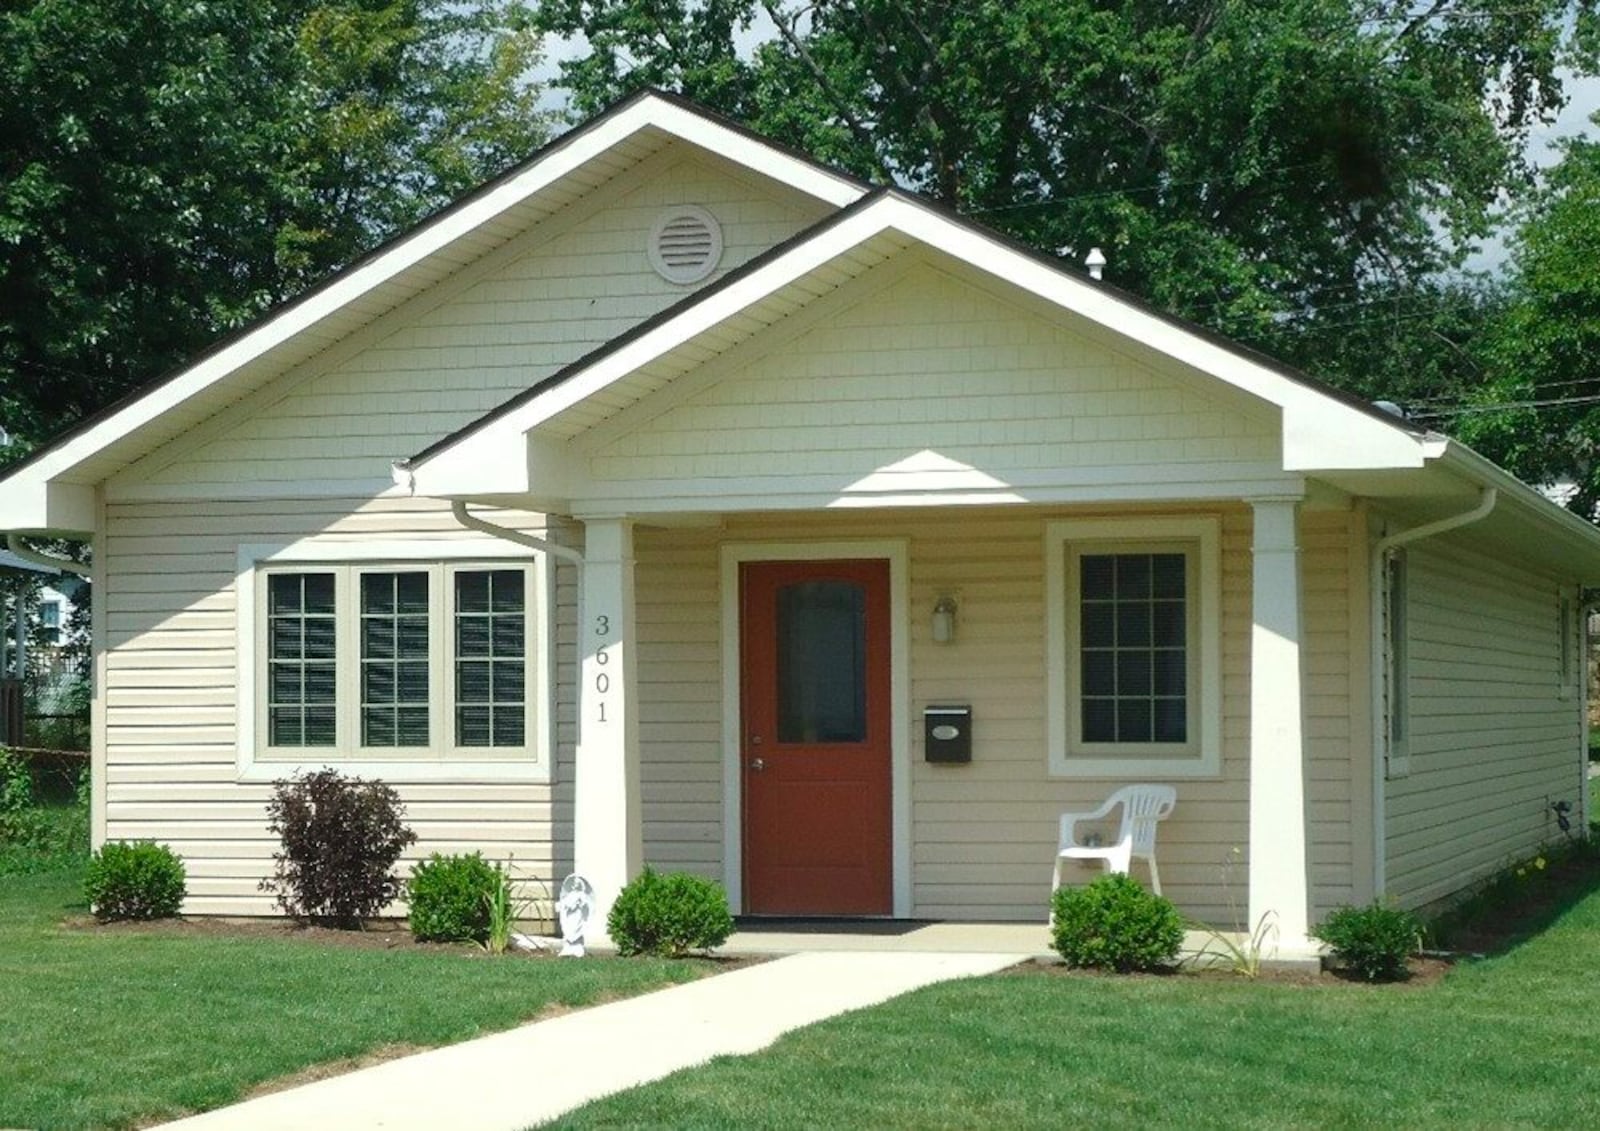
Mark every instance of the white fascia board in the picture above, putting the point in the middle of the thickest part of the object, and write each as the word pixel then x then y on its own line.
pixel 434 236
pixel 30 504
pixel 1458 457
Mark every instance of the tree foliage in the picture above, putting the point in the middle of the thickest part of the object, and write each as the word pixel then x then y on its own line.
pixel 1304 175
pixel 1538 413
pixel 1235 159
pixel 170 169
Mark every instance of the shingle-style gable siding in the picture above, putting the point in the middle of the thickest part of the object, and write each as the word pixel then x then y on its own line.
pixel 435 369
pixel 931 363
pixel 1493 742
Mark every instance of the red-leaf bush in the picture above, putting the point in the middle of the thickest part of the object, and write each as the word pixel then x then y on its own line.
pixel 340 840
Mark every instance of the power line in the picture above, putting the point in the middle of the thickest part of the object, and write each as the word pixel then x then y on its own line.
pixel 1156 186
pixel 1512 406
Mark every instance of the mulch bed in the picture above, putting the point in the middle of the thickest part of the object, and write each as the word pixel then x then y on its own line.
pixel 1546 894
pixel 1424 972
pixel 377 934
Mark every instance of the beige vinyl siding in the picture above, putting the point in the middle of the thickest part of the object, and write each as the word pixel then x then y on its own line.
pixel 983 835
pixel 1492 742
pixel 435 367
pixel 171 676
pixel 934 383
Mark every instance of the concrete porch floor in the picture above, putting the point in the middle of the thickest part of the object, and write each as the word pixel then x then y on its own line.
pixel 779 937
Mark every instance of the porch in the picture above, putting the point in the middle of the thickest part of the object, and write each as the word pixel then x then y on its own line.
pixel 665 763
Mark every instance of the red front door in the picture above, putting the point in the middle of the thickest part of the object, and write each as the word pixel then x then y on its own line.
pixel 814 650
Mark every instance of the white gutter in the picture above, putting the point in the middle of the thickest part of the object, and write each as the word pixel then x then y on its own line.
pixel 1486 502
pixel 28 554
pixel 1380 728
pixel 458 507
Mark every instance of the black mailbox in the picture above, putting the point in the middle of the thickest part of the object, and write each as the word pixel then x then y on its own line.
pixel 947 733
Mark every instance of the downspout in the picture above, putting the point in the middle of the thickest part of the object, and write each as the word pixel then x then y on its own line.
pixel 28 554
pixel 1380 736
pixel 458 507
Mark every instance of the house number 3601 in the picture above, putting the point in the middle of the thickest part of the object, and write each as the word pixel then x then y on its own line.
pixel 602 657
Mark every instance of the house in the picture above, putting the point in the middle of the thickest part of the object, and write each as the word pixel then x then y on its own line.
pixel 638 507
pixel 18 577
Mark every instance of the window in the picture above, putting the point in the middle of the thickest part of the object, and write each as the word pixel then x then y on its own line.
pixel 394 662
pixel 50 621
pixel 1134 643
pixel 1566 631
pixel 301 660
pixel 490 657
pixel 1397 665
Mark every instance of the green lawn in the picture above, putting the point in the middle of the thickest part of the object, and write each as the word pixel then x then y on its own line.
pixel 105 1028
pixel 1512 1041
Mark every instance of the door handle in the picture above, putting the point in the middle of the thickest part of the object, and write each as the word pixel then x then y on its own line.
pixel 758 764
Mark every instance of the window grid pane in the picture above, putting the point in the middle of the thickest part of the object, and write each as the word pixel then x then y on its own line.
pixel 490 657
pixel 1133 653
pixel 301 658
pixel 394 659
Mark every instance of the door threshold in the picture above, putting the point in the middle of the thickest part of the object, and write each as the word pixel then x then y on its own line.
pixel 828 924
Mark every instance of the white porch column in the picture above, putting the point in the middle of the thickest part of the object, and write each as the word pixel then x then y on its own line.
pixel 1277 747
pixel 607 835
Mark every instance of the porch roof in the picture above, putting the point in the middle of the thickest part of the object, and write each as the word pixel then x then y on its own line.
pixel 502 452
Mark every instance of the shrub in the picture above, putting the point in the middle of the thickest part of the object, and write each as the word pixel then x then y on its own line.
pixel 340 840
pixel 1372 942
pixel 669 915
pixel 451 897
pixel 140 880
pixel 16 785
pixel 1114 924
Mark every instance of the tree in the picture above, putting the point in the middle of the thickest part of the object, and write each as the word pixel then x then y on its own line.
pixel 1539 412
pixel 169 170
pixel 1270 169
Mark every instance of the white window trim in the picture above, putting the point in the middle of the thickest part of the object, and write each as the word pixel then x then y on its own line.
pixel 1069 760
pixel 534 762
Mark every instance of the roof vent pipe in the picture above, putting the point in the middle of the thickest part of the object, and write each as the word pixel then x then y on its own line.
pixel 1096 263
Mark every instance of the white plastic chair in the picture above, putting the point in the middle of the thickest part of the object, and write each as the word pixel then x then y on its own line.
pixel 1142 807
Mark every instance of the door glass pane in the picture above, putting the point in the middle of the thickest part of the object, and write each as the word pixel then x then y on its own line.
pixel 822 662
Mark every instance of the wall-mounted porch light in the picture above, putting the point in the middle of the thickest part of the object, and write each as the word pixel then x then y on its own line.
pixel 944 620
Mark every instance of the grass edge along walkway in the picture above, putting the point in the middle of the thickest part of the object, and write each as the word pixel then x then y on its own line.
pixel 109 1028
pixel 1504 1042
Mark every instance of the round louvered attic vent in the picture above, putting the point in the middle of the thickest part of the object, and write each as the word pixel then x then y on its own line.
pixel 685 244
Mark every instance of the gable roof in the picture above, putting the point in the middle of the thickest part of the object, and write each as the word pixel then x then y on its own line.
pixel 51 489
pixel 1323 428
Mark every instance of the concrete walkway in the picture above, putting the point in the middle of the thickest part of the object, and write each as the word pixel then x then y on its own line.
pixel 523 1077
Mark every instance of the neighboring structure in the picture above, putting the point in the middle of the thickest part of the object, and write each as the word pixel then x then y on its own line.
pixel 722 469
pixel 17 578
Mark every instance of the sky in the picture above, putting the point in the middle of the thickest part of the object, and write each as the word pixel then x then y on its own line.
pixel 1583 100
